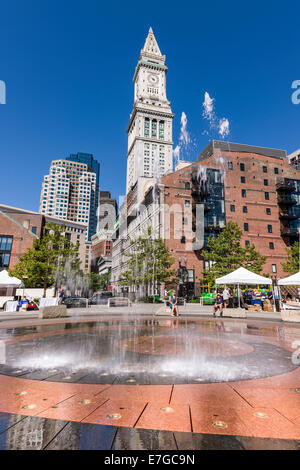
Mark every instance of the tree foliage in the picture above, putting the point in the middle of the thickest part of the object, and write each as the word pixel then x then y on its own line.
pixel 98 281
pixel 45 261
pixel 291 265
pixel 226 254
pixel 149 262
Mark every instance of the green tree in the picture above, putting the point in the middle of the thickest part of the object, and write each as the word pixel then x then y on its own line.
pixel 226 254
pixel 291 265
pixel 149 263
pixel 45 262
pixel 98 281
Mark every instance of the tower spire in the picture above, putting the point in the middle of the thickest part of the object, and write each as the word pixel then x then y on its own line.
pixel 151 46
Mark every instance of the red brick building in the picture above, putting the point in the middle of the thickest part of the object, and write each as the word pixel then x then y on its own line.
pixel 20 227
pixel 259 191
pixel 17 234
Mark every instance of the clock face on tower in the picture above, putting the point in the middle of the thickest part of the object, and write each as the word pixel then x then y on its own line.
pixel 153 79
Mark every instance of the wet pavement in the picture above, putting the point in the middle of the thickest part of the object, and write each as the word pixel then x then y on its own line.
pixel 150 383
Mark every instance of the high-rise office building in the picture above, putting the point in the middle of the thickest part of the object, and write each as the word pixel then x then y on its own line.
pixel 71 190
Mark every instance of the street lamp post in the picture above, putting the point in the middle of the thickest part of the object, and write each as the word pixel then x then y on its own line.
pixel 276 295
pixel 183 275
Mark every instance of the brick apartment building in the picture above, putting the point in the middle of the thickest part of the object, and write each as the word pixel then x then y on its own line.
pixel 17 234
pixel 255 187
pixel 252 186
pixel 19 228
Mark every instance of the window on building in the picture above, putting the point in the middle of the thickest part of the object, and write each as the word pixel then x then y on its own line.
pixel 242 166
pixel 266 183
pixel 271 246
pixel 265 169
pixel 183 240
pixel 268 211
pixel 187 186
pixel 154 128
pixel 244 193
pixel 276 171
pixel 246 227
pixel 247 243
pixel 5 250
pixel 243 179
pixel 230 166
pixel 232 208
pixel 274 268
pixel 187 203
pixel 267 196
pixel 34 229
pixel 146 127
pixel 269 228
pixel 161 129
pixel 245 209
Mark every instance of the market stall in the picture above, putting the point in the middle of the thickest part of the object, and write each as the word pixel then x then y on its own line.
pixel 8 286
pixel 242 276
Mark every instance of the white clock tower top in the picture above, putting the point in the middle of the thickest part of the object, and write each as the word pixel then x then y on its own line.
pixel 151 48
pixel 150 126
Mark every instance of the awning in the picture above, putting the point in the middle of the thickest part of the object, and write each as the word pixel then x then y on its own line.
pixel 243 276
pixel 8 281
pixel 293 280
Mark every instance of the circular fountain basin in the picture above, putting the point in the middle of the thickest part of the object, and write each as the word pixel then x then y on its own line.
pixel 149 351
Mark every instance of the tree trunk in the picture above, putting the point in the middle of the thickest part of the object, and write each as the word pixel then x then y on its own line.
pixel 45 288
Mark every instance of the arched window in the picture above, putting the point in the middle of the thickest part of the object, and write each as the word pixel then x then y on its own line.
pixel 154 128
pixel 147 126
pixel 161 129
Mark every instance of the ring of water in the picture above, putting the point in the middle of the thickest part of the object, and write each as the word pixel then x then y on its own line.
pixel 147 351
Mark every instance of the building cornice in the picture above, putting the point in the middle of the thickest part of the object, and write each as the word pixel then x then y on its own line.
pixel 154 112
pixel 150 65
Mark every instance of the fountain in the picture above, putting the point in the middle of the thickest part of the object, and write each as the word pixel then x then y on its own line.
pixel 135 350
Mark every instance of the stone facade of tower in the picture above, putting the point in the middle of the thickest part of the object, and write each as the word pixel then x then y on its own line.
pixel 150 145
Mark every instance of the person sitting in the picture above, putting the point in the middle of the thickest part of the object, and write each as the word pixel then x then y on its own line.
pixel 173 303
pixel 23 305
pixel 218 304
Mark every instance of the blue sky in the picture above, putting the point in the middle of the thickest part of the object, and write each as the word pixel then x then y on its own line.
pixel 68 67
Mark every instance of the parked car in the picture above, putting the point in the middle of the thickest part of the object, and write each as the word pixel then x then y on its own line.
pixel 74 302
pixel 100 298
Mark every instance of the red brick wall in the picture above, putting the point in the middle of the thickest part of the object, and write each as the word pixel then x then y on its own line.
pixel 255 202
pixel 22 239
pixel 103 248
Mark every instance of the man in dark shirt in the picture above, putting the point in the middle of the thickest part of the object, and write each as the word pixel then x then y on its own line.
pixel 218 304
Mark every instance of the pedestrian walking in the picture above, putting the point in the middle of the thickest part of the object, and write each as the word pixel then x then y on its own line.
pixel 225 296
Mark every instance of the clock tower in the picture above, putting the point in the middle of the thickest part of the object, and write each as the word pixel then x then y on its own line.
pixel 150 146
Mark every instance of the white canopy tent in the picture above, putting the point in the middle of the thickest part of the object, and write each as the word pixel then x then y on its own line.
pixel 243 276
pixel 8 281
pixel 293 280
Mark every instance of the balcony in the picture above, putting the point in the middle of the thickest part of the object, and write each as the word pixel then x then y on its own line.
pixel 286 216
pixel 286 200
pixel 286 187
pixel 213 229
pixel 292 233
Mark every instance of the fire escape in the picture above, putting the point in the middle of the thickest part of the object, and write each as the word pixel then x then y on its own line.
pixel 287 210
